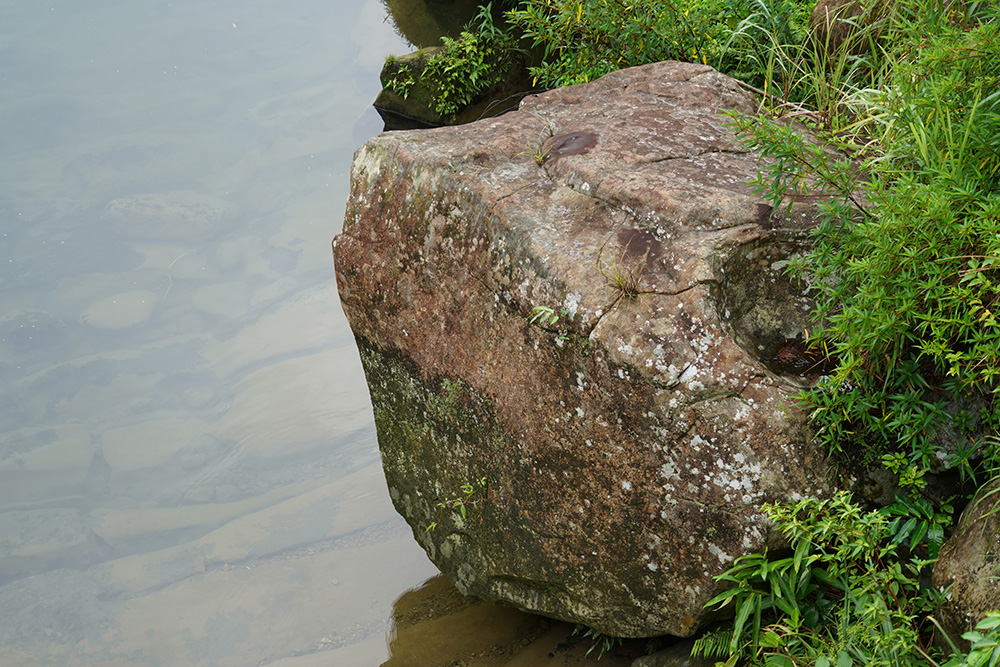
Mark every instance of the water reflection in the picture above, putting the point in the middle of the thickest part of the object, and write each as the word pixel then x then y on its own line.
pixel 423 22
pixel 188 468
pixel 435 626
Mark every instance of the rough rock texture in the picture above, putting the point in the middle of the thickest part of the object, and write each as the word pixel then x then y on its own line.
pixel 614 458
pixel 967 566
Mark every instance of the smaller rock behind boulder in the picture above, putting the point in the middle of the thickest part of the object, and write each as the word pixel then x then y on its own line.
pixel 966 570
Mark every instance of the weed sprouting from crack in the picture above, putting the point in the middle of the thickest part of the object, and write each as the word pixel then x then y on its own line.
pixel 539 154
pixel 621 273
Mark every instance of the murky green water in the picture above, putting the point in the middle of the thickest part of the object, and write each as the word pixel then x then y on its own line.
pixel 188 466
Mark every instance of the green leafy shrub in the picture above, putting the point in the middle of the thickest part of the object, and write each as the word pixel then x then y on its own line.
pixel 909 286
pixel 581 41
pixel 480 57
pixel 843 594
pixel 466 67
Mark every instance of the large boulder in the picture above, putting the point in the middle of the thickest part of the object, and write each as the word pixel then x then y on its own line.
pixel 603 461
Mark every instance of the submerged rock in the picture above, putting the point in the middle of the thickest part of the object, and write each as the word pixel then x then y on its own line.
pixel 121 311
pixel 180 215
pixel 600 461
pixel 43 539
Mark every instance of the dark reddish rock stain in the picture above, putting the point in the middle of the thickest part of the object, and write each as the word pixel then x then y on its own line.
pixel 796 357
pixel 639 244
pixel 572 143
pixel 764 216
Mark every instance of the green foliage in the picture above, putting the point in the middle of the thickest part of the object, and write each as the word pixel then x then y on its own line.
pixel 842 595
pixel 917 525
pixel 465 67
pixel 907 284
pixel 402 82
pixel 599 641
pixel 755 36
pixel 985 640
pixel 468 65
pixel 581 41
pixel 543 315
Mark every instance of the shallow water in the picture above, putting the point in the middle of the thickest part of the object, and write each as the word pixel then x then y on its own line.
pixel 188 466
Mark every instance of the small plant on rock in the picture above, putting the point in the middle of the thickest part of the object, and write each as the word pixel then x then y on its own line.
pixel 539 154
pixel 543 315
pixel 623 274
pixel 472 495
pixel 402 82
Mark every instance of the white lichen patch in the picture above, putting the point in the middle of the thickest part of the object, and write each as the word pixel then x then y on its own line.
pixel 688 375
pixel 669 472
pixel 738 477
pixel 723 557
pixel 753 536
pixel 571 303
pixel 704 342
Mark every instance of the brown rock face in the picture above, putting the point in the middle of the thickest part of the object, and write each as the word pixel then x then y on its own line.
pixel 839 27
pixel 967 566
pixel 602 464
